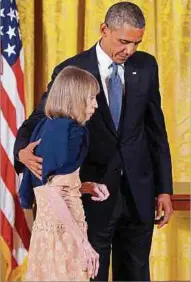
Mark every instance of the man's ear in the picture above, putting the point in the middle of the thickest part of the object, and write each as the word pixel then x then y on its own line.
pixel 104 29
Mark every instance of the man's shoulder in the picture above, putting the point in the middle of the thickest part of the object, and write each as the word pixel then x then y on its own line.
pixel 79 60
pixel 142 58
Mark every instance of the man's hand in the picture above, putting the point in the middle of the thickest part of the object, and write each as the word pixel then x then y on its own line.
pixel 98 191
pixel 31 161
pixel 164 205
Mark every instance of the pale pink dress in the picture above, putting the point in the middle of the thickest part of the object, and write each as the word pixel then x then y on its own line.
pixel 54 254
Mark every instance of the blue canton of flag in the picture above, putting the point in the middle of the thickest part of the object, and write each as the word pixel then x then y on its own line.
pixel 10 32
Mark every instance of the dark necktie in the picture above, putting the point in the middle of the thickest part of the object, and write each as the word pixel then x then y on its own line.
pixel 115 89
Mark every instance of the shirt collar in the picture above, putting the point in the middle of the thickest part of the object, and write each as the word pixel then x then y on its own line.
pixel 104 61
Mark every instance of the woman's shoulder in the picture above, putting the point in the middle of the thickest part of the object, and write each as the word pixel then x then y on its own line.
pixel 58 123
pixel 65 126
pixel 63 146
pixel 62 132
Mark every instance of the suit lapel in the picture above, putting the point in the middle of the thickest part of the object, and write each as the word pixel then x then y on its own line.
pixel 132 82
pixel 103 108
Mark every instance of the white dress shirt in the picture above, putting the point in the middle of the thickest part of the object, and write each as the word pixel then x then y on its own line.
pixel 105 69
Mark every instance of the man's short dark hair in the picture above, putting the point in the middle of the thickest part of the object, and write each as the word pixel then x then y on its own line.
pixel 124 13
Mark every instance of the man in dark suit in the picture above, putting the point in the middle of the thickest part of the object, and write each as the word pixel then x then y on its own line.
pixel 128 150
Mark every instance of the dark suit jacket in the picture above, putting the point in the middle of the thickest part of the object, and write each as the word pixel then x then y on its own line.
pixel 139 148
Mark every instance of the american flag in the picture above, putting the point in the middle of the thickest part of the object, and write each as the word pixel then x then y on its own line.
pixel 15 233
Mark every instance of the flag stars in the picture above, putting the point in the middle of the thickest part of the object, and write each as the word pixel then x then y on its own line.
pixel 11 14
pixel 10 50
pixel 11 32
pixel 1 30
pixel 2 13
pixel 11 44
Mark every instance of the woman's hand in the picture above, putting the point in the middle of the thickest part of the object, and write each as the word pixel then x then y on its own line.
pixel 91 259
pixel 98 191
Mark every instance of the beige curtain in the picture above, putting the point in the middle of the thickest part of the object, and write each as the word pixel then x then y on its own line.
pixel 53 30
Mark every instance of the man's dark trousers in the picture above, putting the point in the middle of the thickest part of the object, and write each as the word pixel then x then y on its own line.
pixel 130 239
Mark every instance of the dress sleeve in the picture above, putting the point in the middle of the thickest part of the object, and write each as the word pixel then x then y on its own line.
pixel 61 210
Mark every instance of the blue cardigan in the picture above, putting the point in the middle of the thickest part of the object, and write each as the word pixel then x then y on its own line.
pixel 63 147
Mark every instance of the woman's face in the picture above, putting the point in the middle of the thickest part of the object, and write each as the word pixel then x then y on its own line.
pixel 91 106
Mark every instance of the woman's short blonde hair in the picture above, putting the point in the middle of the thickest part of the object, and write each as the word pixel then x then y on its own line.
pixel 69 93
